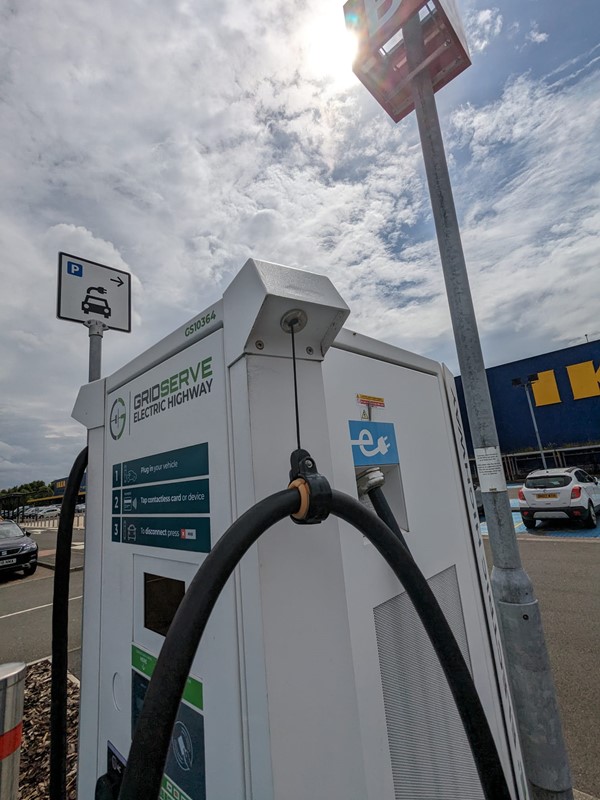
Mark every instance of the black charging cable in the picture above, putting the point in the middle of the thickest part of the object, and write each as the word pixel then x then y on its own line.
pixel 152 736
pixel 60 631
pixel 456 671
pixel 384 512
pixel 149 749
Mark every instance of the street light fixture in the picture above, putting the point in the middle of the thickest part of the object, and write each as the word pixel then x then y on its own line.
pixel 382 64
pixel 517 382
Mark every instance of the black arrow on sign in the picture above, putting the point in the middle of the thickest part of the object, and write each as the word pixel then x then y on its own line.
pixel 119 281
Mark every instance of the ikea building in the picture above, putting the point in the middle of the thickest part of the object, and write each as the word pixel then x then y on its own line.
pixel 565 396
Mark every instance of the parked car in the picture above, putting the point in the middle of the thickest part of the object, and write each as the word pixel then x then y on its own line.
pixel 17 550
pixel 48 511
pixel 568 493
pixel 32 512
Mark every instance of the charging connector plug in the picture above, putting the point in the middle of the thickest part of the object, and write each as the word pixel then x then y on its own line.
pixel 371 478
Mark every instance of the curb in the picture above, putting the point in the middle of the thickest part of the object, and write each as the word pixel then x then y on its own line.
pixel 52 567
pixel 75 680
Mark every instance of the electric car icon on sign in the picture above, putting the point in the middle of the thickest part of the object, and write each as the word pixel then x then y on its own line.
pixel 96 305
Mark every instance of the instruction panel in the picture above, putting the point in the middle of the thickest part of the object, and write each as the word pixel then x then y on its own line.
pixel 160 493
pixel 171 510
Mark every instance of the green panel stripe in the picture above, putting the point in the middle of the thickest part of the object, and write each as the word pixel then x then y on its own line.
pixel 193 693
pixel 170 791
pixel 145 663
pixel 142 661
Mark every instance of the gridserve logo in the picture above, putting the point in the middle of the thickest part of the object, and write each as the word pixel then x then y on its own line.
pixel 117 418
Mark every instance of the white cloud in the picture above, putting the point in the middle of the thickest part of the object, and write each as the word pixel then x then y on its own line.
pixel 532 245
pixel 513 29
pixel 535 35
pixel 573 67
pixel 8 450
pixel 482 26
pixel 175 144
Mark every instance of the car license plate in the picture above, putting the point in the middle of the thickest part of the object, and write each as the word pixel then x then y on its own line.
pixel 547 496
pixel 6 561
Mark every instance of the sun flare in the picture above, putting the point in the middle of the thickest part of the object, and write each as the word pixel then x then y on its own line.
pixel 330 49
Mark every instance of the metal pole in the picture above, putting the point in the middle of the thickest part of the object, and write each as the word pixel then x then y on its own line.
pixel 533 691
pixel 12 689
pixel 95 362
pixel 535 427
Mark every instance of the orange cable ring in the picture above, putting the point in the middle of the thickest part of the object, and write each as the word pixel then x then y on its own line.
pixel 304 492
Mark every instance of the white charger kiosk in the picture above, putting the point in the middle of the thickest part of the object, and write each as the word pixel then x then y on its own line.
pixel 315 678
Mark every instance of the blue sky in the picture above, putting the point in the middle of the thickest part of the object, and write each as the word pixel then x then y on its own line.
pixel 176 140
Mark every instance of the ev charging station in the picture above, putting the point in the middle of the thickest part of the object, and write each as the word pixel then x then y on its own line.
pixel 315 678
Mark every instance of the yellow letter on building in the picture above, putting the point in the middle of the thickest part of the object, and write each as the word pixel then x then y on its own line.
pixel 545 389
pixel 585 380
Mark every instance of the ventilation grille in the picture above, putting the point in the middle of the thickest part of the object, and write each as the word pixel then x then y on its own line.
pixel 430 754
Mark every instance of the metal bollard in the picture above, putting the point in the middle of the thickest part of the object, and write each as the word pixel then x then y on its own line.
pixel 12 688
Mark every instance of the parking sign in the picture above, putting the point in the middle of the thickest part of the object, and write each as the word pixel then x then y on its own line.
pixel 88 291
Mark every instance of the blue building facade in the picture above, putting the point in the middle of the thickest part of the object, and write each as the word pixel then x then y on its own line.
pixel 566 400
pixel 59 486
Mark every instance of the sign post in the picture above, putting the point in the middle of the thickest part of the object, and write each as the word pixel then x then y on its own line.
pixel 408 50
pixel 97 296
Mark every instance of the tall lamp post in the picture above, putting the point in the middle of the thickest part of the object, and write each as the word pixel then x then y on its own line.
pixel 408 49
pixel 517 382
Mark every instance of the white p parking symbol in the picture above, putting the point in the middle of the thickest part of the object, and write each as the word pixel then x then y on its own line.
pixel 73 268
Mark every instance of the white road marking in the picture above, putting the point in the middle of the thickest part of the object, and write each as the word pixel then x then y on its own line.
pixel 36 608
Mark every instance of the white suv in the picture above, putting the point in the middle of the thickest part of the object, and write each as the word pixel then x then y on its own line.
pixel 559 494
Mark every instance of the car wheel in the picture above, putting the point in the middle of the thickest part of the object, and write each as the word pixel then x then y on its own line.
pixel 591 519
pixel 529 523
pixel 30 569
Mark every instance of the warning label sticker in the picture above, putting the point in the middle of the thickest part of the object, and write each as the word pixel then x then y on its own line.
pixel 369 400
pixel 489 469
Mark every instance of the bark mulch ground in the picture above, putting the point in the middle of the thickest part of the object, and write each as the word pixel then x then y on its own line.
pixel 35 749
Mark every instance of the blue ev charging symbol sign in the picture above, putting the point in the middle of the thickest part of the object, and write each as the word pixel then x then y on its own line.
pixel 373 443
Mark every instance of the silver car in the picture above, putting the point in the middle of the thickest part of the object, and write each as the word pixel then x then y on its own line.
pixel 48 511
pixel 561 493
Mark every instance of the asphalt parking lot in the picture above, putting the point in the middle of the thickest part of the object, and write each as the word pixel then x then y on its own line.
pixel 566 576
pixel 565 570
pixel 26 605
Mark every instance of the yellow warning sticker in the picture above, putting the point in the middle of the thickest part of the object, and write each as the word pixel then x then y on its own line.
pixel 369 400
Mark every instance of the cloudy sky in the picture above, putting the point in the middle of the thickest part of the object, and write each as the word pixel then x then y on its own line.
pixel 176 139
